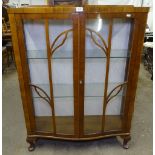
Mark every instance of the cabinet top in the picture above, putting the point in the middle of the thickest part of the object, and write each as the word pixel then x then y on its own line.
pixel 72 9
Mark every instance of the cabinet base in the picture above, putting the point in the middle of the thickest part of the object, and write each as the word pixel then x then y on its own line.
pixel 32 139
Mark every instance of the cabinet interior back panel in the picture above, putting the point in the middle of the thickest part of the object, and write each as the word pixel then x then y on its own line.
pixel 62 64
pixel 95 64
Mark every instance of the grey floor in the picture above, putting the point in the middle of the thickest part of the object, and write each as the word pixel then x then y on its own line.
pixel 14 132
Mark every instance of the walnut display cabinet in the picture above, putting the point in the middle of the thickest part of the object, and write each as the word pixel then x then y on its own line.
pixel 78 69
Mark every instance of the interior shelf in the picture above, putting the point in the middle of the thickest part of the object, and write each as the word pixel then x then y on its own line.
pixel 66 90
pixel 85 57
pixel 42 54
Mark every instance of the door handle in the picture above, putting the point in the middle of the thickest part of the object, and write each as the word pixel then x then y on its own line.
pixel 81 81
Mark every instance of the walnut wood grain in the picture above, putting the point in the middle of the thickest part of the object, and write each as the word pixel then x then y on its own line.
pixel 76 50
pixel 49 55
pixel 19 70
pixel 37 89
pixel 107 73
pixel 119 87
pixel 65 33
pixel 25 70
pixel 71 9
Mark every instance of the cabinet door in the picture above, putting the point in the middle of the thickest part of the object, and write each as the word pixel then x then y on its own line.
pixel 50 56
pixel 106 56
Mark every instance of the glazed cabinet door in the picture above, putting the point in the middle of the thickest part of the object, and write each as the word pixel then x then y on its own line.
pixel 106 56
pixel 50 56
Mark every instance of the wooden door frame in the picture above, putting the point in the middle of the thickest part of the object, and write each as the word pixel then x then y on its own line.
pixel 137 34
pixel 27 110
pixel 21 56
pixel 136 49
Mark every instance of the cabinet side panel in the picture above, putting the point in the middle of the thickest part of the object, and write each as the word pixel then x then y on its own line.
pixel 25 70
pixel 20 71
pixel 136 48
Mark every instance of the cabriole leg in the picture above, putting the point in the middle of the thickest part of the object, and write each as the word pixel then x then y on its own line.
pixel 32 142
pixel 126 139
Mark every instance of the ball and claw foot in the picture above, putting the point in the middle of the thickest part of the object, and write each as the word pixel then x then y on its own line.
pixel 32 142
pixel 125 142
pixel 31 147
pixel 125 146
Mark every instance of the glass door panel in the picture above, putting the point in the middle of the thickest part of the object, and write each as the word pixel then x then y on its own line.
pixel 61 42
pixel 36 50
pixel 118 73
pixel 104 113
pixel 93 114
pixel 95 71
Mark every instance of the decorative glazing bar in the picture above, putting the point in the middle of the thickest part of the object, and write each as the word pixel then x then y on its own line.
pixel 50 50
pixel 50 74
pixel 37 89
pixel 107 73
pixel 102 47
pixel 65 33
pixel 119 87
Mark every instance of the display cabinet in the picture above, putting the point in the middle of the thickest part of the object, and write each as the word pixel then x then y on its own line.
pixel 78 69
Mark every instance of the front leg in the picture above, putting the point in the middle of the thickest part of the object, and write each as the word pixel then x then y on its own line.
pixel 126 139
pixel 32 142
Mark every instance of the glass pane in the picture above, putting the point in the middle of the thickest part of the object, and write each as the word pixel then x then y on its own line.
pixel 62 73
pixel 113 117
pixel 37 66
pixel 61 40
pixel 60 90
pixel 43 115
pixel 118 72
pixel 93 109
pixel 35 39
pixel 64 112
pixel 95 71
pixel 60 28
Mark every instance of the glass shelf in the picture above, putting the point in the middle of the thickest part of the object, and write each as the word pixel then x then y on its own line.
pixel 85 57
pixel 97 89
pixel 94 106
pixel 119 95
pixel 42 54
pixel 43 108
pixel 59 90
pixel 66 90
pixel 113 53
